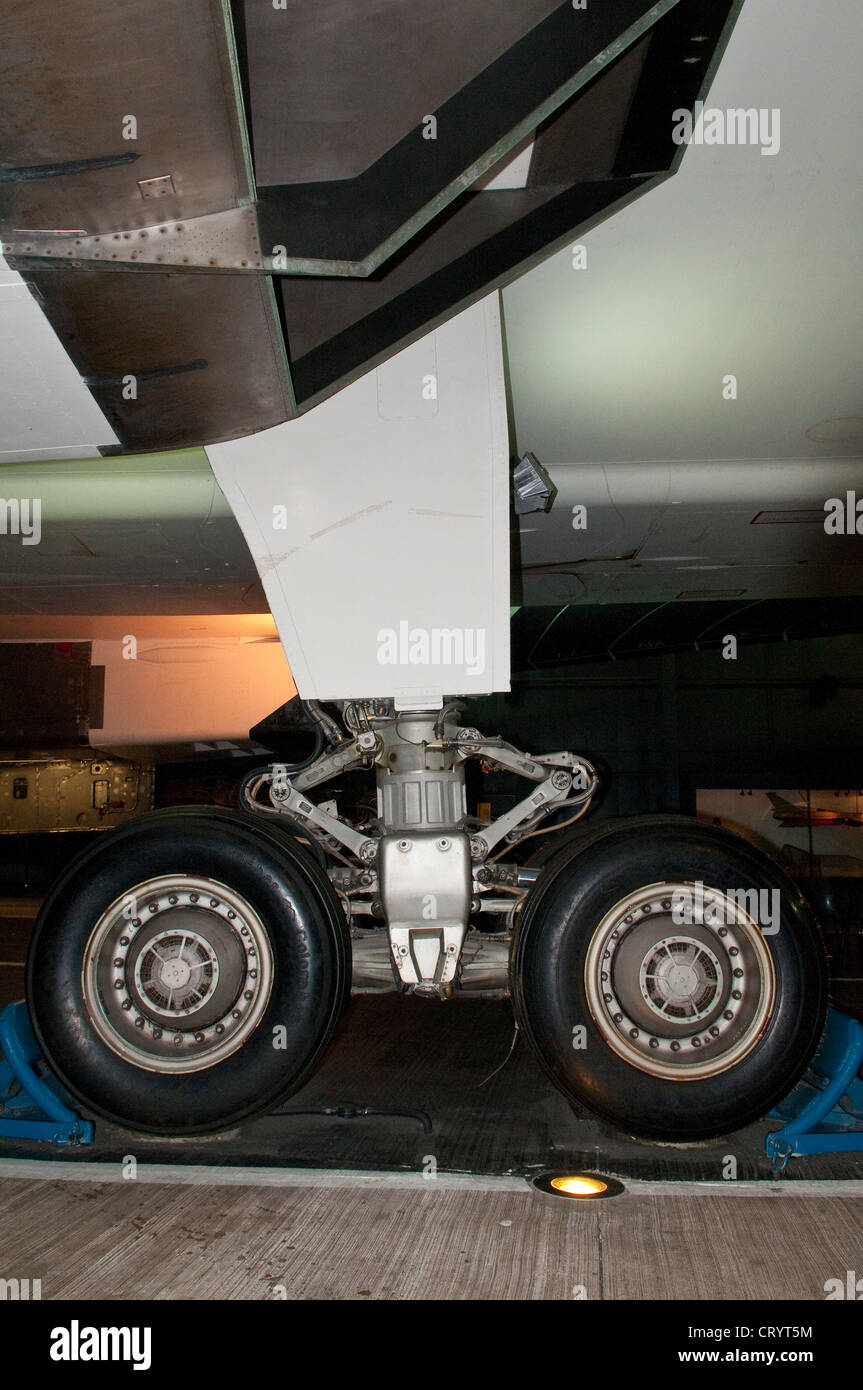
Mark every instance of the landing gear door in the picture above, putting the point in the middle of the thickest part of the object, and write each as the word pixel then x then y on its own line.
pixel 379 523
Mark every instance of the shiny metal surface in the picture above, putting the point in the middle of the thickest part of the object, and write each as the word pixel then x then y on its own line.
pixel 173 359
pixel 70 77
pixel 217 241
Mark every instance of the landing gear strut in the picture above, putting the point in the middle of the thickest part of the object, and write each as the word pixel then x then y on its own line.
pixel 190 969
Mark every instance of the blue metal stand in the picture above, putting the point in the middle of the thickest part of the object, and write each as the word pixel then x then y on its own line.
pixel 824 1113
pixel 29 1107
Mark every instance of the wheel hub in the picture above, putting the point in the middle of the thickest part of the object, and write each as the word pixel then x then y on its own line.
pixel 680 978
pixel 177 973
pixel 686 1003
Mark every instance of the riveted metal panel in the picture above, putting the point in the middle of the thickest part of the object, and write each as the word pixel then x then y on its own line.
pixel 172 359
pixel 71 76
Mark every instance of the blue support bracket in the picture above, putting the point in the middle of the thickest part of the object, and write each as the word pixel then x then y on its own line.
pixel 824 1113
pixel 30 1108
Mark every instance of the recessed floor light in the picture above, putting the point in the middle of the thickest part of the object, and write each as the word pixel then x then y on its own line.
pixel 583 1186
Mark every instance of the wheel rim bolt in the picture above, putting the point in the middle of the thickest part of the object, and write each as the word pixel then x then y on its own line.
pixel 736 994
pixel 654 1042
pixel 139 1023
pixel 127 1004
pixel 247 994
pixel 157 1033
pixel 118 963
pixel 235 1013
pixel 124 940
pixel 199 1037
pixel 738 974
pixel 118 984
pixel 633 1032
pixel 618 1018
pixel 193 897
pixel 723 931
pixel 172 899
pixel 675 1047
pixel 696 1042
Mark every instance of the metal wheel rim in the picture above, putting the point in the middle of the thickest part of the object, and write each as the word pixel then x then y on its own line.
pixel 679 1001
pixel 177 973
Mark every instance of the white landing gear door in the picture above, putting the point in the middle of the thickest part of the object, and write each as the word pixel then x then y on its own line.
pixel 379 523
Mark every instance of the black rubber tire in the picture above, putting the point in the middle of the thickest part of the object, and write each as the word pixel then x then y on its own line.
pixel 560 918
pixel 306 929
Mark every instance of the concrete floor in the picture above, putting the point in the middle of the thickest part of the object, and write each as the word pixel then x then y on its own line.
pixel 200 1234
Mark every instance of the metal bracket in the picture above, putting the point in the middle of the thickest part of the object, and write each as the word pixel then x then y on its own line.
pixel 217 241
pixel 349 754
pixel 546 794
pixel 284 795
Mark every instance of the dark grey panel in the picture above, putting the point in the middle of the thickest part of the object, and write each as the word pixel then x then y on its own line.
pixel 578 144
pixel 205 351
pixel 72 70
pixel 335 84
pixel 609 143
pixel 358 223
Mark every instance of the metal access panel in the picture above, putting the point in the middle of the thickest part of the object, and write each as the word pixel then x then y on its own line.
pixel 379 523
pixel 71 791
